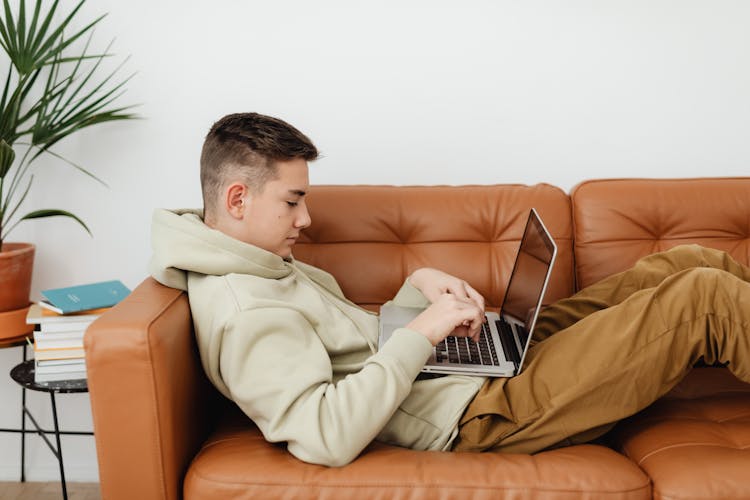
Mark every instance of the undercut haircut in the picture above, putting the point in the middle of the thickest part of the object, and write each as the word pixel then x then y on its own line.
pixel 245 147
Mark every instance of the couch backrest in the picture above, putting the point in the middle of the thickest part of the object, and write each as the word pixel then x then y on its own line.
pixel 372 237
pixel 621 220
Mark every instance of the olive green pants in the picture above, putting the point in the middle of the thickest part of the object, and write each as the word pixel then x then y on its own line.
pixel 615 347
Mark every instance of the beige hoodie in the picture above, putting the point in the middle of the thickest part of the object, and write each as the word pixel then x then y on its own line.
pixel 279 338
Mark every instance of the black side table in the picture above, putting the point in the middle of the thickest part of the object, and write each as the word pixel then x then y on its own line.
pixel 24 375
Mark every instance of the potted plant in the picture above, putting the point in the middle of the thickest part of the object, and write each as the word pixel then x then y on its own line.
pixel 54 87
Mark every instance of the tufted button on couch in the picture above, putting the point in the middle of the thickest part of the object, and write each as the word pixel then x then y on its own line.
pixel 163 432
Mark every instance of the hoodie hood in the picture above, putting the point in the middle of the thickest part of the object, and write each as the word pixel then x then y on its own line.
pixel 182 243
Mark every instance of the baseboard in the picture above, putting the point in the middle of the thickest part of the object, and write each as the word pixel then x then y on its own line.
pixel 73 474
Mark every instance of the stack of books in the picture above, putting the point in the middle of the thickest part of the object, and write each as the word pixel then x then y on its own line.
pixel 58 343
pixel 60 320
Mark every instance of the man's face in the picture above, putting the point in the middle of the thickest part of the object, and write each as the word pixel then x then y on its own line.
pixel 274 217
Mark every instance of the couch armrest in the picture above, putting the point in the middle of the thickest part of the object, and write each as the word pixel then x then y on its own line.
pixel 150 400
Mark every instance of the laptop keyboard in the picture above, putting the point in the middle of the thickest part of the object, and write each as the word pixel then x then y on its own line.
pixel 465 350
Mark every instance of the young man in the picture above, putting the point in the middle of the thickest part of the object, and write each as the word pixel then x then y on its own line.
pixel 279 338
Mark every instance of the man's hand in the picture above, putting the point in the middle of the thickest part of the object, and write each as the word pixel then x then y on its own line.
pixel 449 315
pixel 434 283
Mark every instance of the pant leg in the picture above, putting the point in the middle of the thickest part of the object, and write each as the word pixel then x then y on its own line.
pixel 648 272
pixel 613 363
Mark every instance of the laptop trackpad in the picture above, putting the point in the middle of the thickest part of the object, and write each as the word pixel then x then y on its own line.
pixel 393 317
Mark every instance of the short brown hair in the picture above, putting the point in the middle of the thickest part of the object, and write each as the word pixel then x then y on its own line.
pixel 245 146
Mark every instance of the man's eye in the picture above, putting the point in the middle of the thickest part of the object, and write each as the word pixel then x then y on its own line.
pixel 291 203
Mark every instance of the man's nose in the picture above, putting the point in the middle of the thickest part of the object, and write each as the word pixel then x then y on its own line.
pixel 304 219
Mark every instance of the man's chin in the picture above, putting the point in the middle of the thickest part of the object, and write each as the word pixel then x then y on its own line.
pixel 285 253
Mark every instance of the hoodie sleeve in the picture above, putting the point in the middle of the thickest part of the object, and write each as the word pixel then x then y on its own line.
pixel 280 375
pixel 410 296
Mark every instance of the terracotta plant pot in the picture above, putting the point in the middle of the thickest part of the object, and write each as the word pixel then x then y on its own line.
pixel 16 264
pixel 13 326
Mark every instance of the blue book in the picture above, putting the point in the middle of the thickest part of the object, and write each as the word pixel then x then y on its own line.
pixel 84 297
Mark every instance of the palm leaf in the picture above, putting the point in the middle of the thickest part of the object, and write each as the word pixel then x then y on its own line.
pixel 80 121
pixel 11 28
pixel 7 155
pixel 35 18
pixel 43 58
pixel 73 73
pixel 34 108
pixel 35 49
pixel 70 110
pixel 47 212
pixel 49 132
pixel 7 217
pixel 98 103
pixel 22 24
pixel 51 212
pixel 5 89
pixel 51 93
pixel 9 120
pixel 43 28
pixel 29 83
pixel 5 40
pixel 48 50
pixel 43 43
pixel 72 164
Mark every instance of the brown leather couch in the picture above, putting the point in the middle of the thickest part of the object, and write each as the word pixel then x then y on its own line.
pixel 163 432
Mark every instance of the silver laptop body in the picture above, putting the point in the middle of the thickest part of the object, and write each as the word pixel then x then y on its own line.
pixel 506 336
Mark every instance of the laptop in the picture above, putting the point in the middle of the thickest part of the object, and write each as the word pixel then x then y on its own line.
pixel 506 336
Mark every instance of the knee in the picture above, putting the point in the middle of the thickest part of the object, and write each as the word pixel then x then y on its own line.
pixel 698 291
pixel 692 255
pixel 687 252
pixel 697 280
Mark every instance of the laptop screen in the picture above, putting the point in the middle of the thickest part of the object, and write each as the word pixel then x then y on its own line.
pixel 528 280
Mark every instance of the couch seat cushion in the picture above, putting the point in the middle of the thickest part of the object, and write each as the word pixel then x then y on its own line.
pixel 236 462
pixel 694 443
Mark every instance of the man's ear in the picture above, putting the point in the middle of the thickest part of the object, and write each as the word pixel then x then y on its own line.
pixel 236 195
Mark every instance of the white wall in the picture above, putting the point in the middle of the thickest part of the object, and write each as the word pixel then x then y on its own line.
pixel 392 92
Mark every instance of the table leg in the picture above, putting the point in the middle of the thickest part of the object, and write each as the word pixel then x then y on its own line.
pixel 59 447
pixel 23 426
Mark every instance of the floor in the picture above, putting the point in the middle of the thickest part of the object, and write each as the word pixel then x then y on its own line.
pixel 48 491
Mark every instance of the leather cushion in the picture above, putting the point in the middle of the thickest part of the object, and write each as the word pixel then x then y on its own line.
pixel 372 237
pixel 694 443
pixel 236 462
pixel 619 221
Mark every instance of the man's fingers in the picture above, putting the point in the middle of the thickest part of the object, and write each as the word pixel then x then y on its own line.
pixel 458 288
pixel 465 291
pixel 471 317
pixel 450 314
pixel 466 331
pixel 460 331
pixel 475 296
